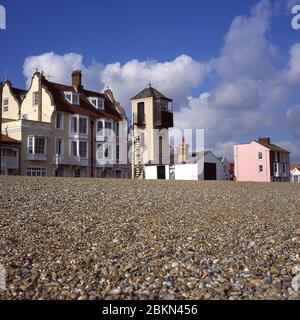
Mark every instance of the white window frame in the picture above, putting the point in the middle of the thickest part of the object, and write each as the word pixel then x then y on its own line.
pixel 33 145
pixel 87 146
pixel 101 104
pixel 71 148
pixel 105 131
pixel 260 156
pixel 86 127
pixel 72 97
pixel 5 105
pixel 98 103
pixel 41 170
pixel 61 125
pixel 102 157
pixel 260 168
pixel 78 148
pixel 284 169
pixel 77 117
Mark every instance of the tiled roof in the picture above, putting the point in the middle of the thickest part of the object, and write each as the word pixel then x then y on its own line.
pixel 272 147
pixel 150 92
pixel 7 139
pixel 19 93
pixel 85 107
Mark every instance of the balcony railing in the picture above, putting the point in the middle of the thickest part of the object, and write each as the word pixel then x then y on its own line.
pixel 70 160
pixel 37 157
pixel 10 163
pixel 163 118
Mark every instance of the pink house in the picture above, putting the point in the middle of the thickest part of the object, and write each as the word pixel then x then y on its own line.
pixel 261 161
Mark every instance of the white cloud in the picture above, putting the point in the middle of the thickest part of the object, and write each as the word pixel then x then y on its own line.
pixel 293 69
pixel 174 78
pixel 58 68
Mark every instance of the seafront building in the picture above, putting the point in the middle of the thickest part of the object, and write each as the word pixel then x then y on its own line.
pixel 261 161
pixel 65 130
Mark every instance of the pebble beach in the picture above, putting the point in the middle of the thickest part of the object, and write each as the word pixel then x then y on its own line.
pixel 83 239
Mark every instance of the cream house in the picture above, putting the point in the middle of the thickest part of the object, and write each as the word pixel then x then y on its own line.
pixel 152 116
pixel 66 130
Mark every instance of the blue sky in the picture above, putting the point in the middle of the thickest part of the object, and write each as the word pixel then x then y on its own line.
pixel 191 50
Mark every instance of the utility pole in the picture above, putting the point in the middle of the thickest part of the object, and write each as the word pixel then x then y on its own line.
pixel 1 89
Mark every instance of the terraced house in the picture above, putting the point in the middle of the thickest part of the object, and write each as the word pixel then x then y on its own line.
pixel 66 130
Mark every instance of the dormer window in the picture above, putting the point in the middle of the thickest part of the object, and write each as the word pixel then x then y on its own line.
pixel 98 103
pixel 72 97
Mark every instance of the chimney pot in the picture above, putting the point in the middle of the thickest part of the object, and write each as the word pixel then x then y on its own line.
pixel 76 80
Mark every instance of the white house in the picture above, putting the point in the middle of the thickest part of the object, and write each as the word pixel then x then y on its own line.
pixel 198 166
pixel 295 175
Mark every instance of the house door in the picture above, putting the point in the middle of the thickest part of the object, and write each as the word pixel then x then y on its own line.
pixel 161 173
pixel 210 171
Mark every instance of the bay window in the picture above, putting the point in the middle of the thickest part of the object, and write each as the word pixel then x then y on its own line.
pixel 105 128
pixel 74 148
pixel 40 144
pixel 83 149
pixel 104 152
pixel 79 125
pixel 83 125
pixel 79 149
pixel 36 145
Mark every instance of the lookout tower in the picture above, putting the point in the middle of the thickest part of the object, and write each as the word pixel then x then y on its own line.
pixel 152 116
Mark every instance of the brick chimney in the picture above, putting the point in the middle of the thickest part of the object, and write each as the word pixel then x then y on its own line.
pixel 183 150
pixel 76 80
pixel 264 140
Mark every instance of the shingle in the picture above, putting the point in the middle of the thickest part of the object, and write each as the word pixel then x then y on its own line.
pixel 150 92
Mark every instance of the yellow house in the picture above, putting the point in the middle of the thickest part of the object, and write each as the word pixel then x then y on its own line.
pixel 66 130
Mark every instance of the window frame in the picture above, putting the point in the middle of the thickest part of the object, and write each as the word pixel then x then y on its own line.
pixel 70 97
pixel 86 149
pixel 260 168
pixel 78 150
pixel 61 122
pixel 5 105
pixel 62 146
pixel 260 155
pixel 103 157
pixel 35 98
pixel 77 122
pixel 97 102
pixel 43 171
pixel 80 125
pixel 32 146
